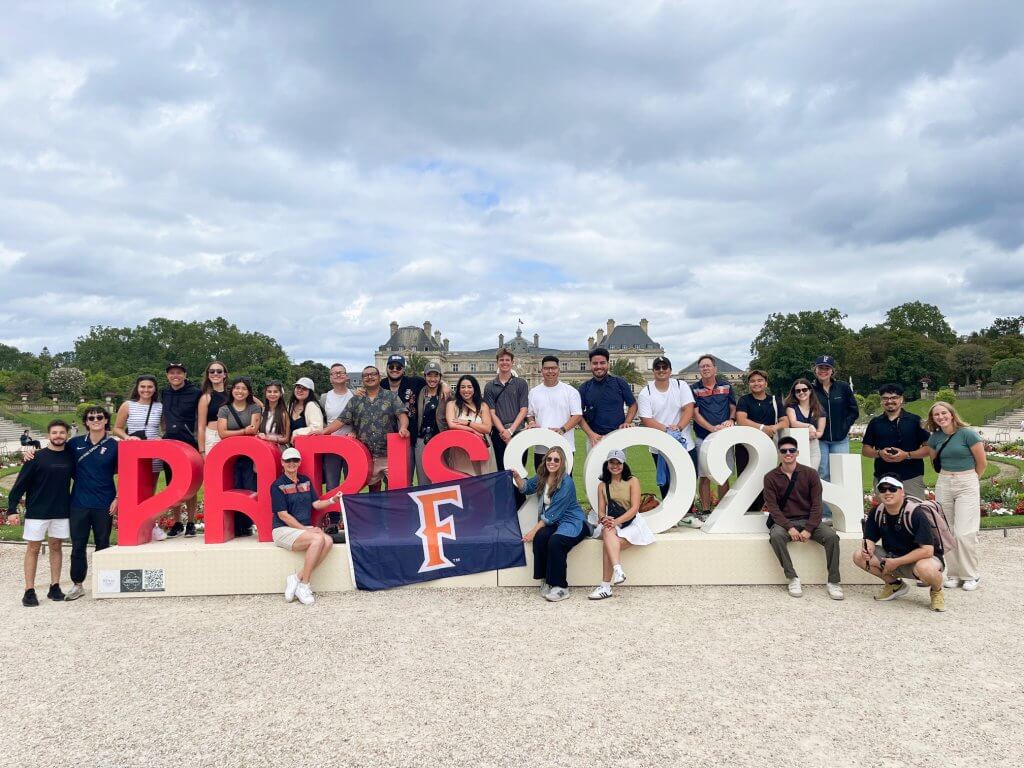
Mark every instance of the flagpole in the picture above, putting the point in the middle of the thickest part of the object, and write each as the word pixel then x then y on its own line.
pixel 348 540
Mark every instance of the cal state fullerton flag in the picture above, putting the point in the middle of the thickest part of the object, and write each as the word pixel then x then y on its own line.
pixel 433 531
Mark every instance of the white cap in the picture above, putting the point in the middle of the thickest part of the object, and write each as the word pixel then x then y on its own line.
pixel 290 453
pixel 889 480
pixel 306 382
pixel 617 455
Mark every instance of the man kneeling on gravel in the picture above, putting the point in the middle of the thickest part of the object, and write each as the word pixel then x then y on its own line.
pixel 907 550
pixel 792 495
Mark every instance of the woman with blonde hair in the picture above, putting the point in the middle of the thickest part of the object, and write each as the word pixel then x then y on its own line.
pixel 805 412
pixel 958 455
pixel 560 527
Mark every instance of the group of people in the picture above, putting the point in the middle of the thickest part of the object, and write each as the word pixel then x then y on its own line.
pixel 421 407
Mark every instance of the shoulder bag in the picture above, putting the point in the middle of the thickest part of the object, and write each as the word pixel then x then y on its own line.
pixel 937 461
pixel 141 433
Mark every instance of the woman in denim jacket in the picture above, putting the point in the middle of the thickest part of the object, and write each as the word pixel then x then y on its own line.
pixel 560 527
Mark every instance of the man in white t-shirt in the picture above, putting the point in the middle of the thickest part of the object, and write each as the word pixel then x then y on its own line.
pixel 333 403
pixel 667 404
pixel 554 405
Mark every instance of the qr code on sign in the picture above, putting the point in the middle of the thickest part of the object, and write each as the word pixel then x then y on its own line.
pixel 153 581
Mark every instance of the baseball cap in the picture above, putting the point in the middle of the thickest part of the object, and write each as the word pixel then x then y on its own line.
pixel 617 455
pixel 826 360
pixel 889 480
pixel 175 365
pixel 431 367
pixel 306 382
pixel 290 453
pixel 661 361
pixel 396 360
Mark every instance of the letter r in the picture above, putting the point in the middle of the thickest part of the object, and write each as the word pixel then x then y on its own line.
pixel 433 530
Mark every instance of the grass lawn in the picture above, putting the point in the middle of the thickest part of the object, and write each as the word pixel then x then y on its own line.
pixel 868 469
pixel 974 412
pixel 37 421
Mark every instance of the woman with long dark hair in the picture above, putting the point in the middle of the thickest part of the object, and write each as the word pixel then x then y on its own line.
pixel 241 418
pixel 468 412
pixel 804 411
pixel 138 418
pixel 215 395
pixel 275 426
pixel 560 527
pixel 618 519
pixel 306 415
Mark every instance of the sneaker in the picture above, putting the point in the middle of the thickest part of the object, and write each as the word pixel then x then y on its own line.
pixel 618 575
pixel 290 586
pixel 55 593
pixel 834 591
pixel 158 533
pixel 29 600
pixel 305 593
pixel 795 589
pixel 75 592
pixel 893 591
pixel 970 585
pixel 556 594
pixel 703 515
pixel 690 521
pixel 190 530
pixel 938 600
pixel 600 593
pixel 544 589
pixel 176 529
pixel 948 583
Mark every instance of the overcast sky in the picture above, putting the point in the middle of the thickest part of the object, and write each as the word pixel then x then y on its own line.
pixel 314 174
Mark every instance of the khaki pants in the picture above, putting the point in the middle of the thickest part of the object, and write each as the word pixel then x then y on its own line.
pixel 823 534
pixel 959 493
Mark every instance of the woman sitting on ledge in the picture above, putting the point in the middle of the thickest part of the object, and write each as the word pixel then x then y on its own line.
pixel 293 500
pixel 560 527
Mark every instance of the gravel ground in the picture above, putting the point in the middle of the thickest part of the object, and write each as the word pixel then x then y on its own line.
pixel 691 676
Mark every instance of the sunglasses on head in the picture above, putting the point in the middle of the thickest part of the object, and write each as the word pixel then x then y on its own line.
pixel 798 390
pixel 887 489
pixel 787 451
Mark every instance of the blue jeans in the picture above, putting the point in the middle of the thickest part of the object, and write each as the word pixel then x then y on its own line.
pixel 828 448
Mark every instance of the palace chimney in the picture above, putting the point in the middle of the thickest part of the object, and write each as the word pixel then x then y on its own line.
pixel 426 327
pixel 445 345
pixel 600 335
pixel 643 325
pixel 437 337
pixel 394 327
pixel 611 326
pixel 501 340
pixel 590 342
pixel 536 339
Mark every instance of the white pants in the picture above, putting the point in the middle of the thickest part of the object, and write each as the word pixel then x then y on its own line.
pixel 959 493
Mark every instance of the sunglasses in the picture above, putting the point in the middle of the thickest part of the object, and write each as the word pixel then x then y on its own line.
pixel 799 390
pixel 661 367
pixel 554 460
pixel 292 461
pixel 787 451
pixel 395 367
pixel 96 417
pixel 216 371
pixel 887 489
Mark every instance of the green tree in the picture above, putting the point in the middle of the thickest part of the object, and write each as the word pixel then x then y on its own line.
pixel 25 381
pixel 968 361
pixel 627 370
pixel 318 372
pixel 65 382
pixel 415 363
pixel 916 317
pixel 1010 369
pixel 788 344
pixel 12 359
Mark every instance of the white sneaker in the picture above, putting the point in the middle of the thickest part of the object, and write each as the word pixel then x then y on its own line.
pixel 968 586
pixel 951 583
pixel 834 591
pixel 556 594
pixel 75 592
pixel 159 534
pixel 544 589
pixel 305 593
pixel 795 590
pixel 618 575
pixel 601 592
pixel 690 521
pixel 290 586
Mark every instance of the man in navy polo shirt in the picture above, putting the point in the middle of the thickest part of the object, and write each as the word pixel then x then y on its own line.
pixel 716 410
pixel 605 398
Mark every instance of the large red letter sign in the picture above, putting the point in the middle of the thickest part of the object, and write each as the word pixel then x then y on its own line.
pixel 222 498
pixel 432 528
pixel 357 461
pixel 436 470
pixel 399 470
pixel 138 507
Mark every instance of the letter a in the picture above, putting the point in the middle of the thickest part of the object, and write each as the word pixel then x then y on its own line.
pixel 432 528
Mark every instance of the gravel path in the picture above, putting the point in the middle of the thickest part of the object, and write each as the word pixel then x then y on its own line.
pixel 687 676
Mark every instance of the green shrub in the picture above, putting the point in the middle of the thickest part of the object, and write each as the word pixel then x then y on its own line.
pixel 946 394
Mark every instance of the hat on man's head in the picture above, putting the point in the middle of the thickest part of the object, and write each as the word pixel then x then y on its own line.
pixel 826 360
pixel 175 365
pixel 617 455
pixel 889 480
pixel 290 453
pixel 662 360
pixel 306 382
pixel 396 360
pixel 431 367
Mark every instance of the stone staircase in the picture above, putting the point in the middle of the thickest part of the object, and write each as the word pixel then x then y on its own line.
pixel 1008 421
pixel 10 432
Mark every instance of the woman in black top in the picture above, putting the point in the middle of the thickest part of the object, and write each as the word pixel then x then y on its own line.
pixel 214 396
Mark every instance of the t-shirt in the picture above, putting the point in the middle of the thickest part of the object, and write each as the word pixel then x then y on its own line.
pixel 506 400
pixel 244 416
pixel 408 392
pixel 46 481
pixel 374 419
pixel 428 418
pixel 334 404
pixel 294 498
pixel 604 402
pixel 956 456
pixel 552 406
pixel 896 539
pixel 666 406
pixel 904 432
pixel 713 403
pixel 94 475
pixel 761 411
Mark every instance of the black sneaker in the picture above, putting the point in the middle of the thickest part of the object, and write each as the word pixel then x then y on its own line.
pixel 30 600
pixel 175 529
pixel 190 530
pixel 55 594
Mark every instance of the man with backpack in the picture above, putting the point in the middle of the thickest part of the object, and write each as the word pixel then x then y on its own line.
pixel 912 533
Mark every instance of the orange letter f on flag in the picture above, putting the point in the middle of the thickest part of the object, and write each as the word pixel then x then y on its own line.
pixel 432 528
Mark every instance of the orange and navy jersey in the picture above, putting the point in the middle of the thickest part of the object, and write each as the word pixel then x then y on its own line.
pixel 294 498
pixel 713 403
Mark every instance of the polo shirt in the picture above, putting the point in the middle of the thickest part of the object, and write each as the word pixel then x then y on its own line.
pixel 713 403
pixel 294 498
pixel 94 474
pixel 506 400
pixel 904 432
pixel 604 402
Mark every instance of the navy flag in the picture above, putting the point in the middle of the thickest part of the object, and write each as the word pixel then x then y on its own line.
pixel 433 531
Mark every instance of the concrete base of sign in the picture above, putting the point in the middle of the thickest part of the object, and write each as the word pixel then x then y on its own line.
pixel 185 567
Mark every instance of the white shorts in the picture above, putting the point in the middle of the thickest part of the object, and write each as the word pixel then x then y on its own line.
pixel 286 536
pixel 37 530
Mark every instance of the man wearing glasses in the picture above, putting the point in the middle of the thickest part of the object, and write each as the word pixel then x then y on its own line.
pixel 897 442
pixel 333 402
pixel 374 416
pixel 792 494
pixel 907 550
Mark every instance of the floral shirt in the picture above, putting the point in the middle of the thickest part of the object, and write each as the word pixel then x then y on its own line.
pixel 373 419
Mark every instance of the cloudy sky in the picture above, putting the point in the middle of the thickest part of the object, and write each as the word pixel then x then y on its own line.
pixel 316 170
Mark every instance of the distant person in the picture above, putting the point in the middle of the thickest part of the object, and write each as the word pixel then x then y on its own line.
pixel 45 483
pixel 605 398
pixel 508 397
pixel 293 499
pixel 180 400
pixel 792 495
pixel 618 519
pixel 27 441
pixel 553 405
pixel 333 402
pixel 374 416
pixel 560 527
pixel 763 411
pixel 467 412
pixel 138 418
pixel 841 411
pixel 897 442
pixel 716 410
pixel 241 418
pixel 803 409
pixel 305 413
pixel 430 404
pixel 958 455
pixel 908 547
pixel 214 395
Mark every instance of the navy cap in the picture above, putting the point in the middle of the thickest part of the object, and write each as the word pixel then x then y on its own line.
pixel 396 359
pixel 826 360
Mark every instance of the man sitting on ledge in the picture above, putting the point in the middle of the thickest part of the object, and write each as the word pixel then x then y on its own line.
pixel 792 495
